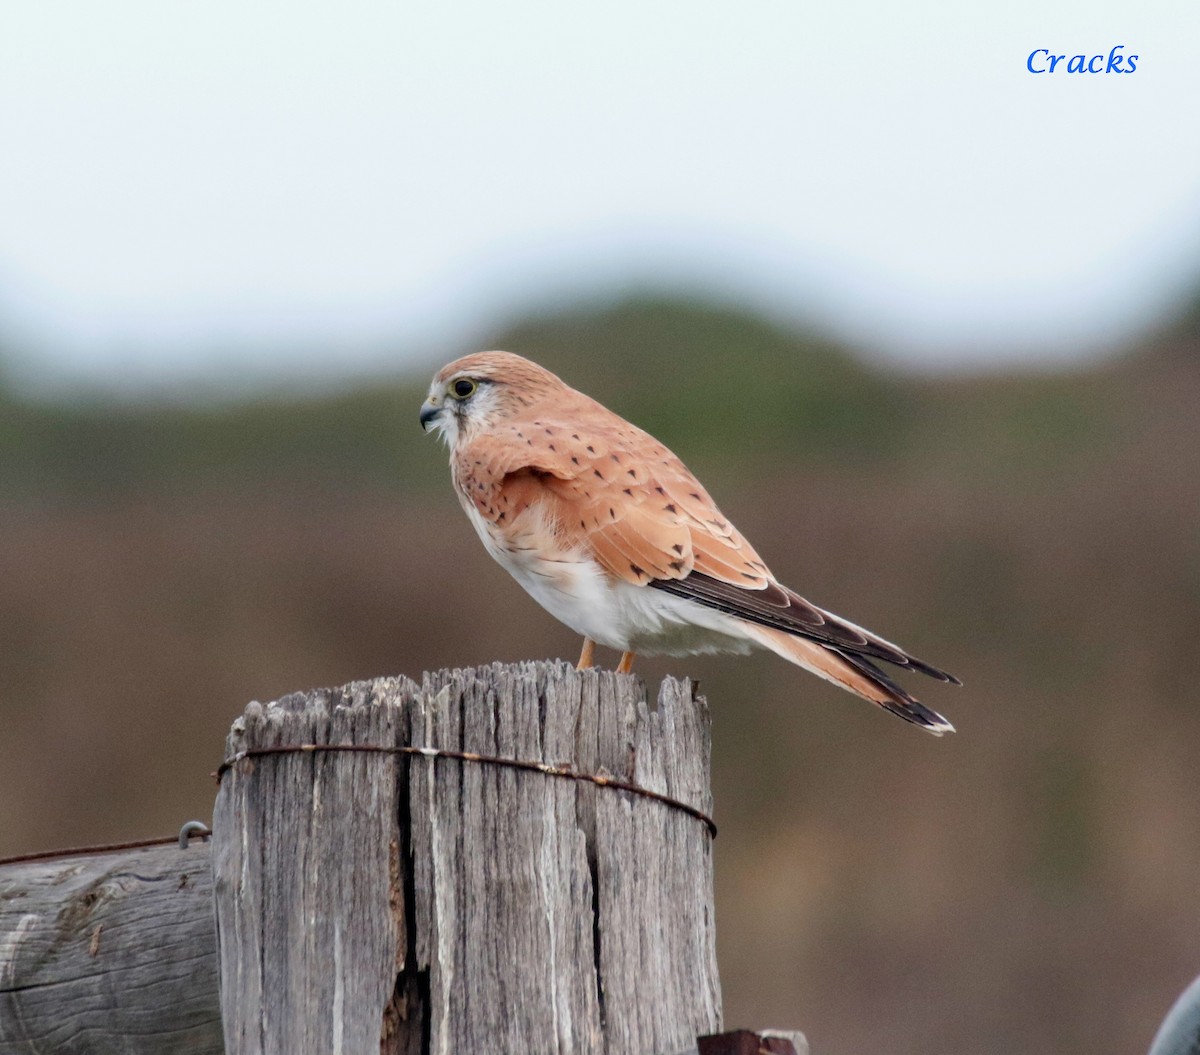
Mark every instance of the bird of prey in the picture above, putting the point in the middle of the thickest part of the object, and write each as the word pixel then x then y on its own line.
pixel 611 534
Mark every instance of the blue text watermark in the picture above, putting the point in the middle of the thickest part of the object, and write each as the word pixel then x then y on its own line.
pixel 1043 60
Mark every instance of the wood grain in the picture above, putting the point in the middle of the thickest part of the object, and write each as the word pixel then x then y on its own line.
pixel 379 902
pixel 112 953
pixel 310 921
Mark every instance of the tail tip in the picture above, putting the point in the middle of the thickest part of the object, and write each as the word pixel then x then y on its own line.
pixel 920 716
pixel 940 727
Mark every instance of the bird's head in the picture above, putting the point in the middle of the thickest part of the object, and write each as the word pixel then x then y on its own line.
pixel 479 391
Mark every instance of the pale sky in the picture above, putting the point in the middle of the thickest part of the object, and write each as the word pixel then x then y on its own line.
pixel 302 189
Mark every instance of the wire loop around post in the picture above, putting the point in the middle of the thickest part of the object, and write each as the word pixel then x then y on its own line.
pixel 545 768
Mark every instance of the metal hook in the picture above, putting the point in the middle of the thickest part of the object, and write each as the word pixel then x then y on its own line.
pixel 193 828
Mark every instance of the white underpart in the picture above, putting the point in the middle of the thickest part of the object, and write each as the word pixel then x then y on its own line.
pixel 577 591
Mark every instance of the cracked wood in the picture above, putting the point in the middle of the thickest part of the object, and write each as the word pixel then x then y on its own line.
pixel 375 902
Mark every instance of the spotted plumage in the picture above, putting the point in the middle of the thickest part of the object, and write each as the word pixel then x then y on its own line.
pixel 606 528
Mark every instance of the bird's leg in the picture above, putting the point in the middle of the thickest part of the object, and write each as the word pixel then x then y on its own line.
pixel 587 658
pixel 626 664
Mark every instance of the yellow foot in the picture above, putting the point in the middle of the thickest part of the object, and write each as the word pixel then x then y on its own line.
pixel 587 658
pixel 626 664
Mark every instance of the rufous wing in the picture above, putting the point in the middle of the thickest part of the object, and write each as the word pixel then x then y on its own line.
pixel 612 490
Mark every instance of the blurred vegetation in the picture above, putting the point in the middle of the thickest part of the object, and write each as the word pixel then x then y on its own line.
pixel 98 448
pixel 1027 885
pixel 725 388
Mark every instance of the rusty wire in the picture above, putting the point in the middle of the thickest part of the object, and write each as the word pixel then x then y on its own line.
pixel 186 832
pixel 545 768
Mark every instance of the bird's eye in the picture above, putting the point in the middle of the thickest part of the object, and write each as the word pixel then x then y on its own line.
pixel 462 388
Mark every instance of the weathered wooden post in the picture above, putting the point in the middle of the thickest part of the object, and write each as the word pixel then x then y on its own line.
pixel 399 886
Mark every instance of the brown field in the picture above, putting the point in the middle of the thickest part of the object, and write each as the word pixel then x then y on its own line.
pixel 1027 885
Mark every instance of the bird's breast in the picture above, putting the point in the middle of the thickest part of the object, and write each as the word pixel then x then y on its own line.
pixel 573 587
pixel 569 584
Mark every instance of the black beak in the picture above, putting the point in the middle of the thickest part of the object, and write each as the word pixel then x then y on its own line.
pixel 428 413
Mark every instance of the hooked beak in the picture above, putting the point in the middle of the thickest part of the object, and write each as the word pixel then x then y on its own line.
pixel 429 413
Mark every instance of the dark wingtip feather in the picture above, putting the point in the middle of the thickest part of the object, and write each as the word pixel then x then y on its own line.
pixel 931 671
pixel 778 607
pixel 901 702
pixel 919 715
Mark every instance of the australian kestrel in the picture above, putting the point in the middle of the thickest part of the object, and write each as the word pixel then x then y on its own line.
pixel 612 535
